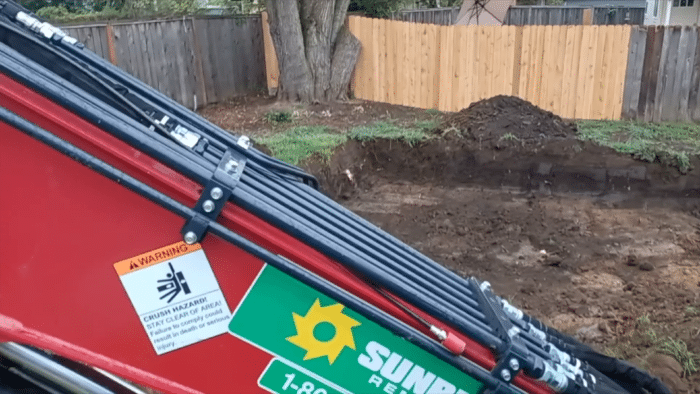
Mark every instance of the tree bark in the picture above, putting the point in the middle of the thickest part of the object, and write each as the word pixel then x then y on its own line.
pixel 315 51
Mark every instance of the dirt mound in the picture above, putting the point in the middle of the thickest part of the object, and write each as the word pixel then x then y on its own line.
pixel 504 121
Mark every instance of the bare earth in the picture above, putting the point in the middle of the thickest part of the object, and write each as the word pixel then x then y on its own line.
pixel 595 244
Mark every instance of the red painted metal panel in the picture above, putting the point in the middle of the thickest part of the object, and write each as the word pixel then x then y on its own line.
pixel 63 226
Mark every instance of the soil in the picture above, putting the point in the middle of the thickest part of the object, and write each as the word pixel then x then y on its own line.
pixel 593 243
pixel 496 121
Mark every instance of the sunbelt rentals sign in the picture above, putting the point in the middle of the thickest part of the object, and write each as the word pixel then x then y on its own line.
pixel 322 347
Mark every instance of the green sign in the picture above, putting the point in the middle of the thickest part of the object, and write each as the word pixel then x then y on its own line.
pixel 317 334
pixel 283 377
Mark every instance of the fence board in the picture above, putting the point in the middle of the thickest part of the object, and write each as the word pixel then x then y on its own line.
pixel 470 65
pixel 488 61
pixel 633 75
pixel 693 99
pixel 558 80
pixel 547 70
pixel 433 67
pixel 666 73
pixel 567 74
pixel 687 75
pixel 389 50
pixel 457 85
pixel 525 62
pixel 402 64
pixel 624 35
pixel 413 64
pixel 445 68
pixel 513 43
pixel 539 65
pixel 497 62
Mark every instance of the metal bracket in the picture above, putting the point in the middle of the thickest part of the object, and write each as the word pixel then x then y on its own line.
pixel 214 196
pixel 510 356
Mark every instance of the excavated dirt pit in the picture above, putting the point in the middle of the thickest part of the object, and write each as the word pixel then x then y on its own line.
pixel 594 243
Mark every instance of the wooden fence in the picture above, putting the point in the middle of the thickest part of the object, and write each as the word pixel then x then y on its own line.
pixel 573 71
pixel 193 61
pixel 533 15
pixel 436 16
pixel 663 74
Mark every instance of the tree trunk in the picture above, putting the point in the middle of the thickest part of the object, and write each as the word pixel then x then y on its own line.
pixel 315 51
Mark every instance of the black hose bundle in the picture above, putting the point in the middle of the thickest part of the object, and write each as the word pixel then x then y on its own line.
pixel 626 375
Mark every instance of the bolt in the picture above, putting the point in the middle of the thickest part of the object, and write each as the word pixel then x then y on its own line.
pixel 208 206
pixel 513 331
pixel 505 375
pixel 190 238
pixel 244 142
pixel 216 193
pixel 231 166
pixel 514 364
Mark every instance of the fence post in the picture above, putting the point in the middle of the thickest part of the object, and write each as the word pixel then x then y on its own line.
pixel 588 16
pixel 198 63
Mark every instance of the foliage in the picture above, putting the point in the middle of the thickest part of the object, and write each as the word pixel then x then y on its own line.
pixel 74 11
pixel 692 310
pixel 646 335
pixel 53 12
pixel 376 8
pixel 509 137
pixel 239 6
pixel 384 8
pixel 667 143
pixel 679 350
pixel 275 117
pixel 388 130
pixel 299 143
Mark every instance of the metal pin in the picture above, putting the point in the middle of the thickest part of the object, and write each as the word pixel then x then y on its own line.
pixel 514 364
pixel 208 206
pixel 505 374
pixel 190 238
pixel 216 193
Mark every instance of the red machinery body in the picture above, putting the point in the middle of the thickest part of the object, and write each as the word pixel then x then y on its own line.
pixel 63 227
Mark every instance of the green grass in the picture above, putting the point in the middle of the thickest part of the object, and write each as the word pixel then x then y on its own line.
pixel 275 117
pixel 667 143
pixel 679 350
pixel 391 131
pixel 692 310
pixel 301 142
pixel 509 137
pixel 647 335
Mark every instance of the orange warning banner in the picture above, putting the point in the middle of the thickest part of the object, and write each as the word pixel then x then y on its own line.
pixel 154 257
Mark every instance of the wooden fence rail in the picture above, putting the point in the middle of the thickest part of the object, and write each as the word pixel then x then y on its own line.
pixel 193 61
pixel 573 71
pixel 436 16
pixel 548 15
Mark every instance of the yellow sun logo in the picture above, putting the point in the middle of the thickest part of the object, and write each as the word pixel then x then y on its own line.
pixel 317 314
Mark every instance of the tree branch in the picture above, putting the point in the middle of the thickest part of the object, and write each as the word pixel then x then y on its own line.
pixel 341 10
pixel 345 56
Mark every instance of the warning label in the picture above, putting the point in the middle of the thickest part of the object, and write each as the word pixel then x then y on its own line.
pixel 176 296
